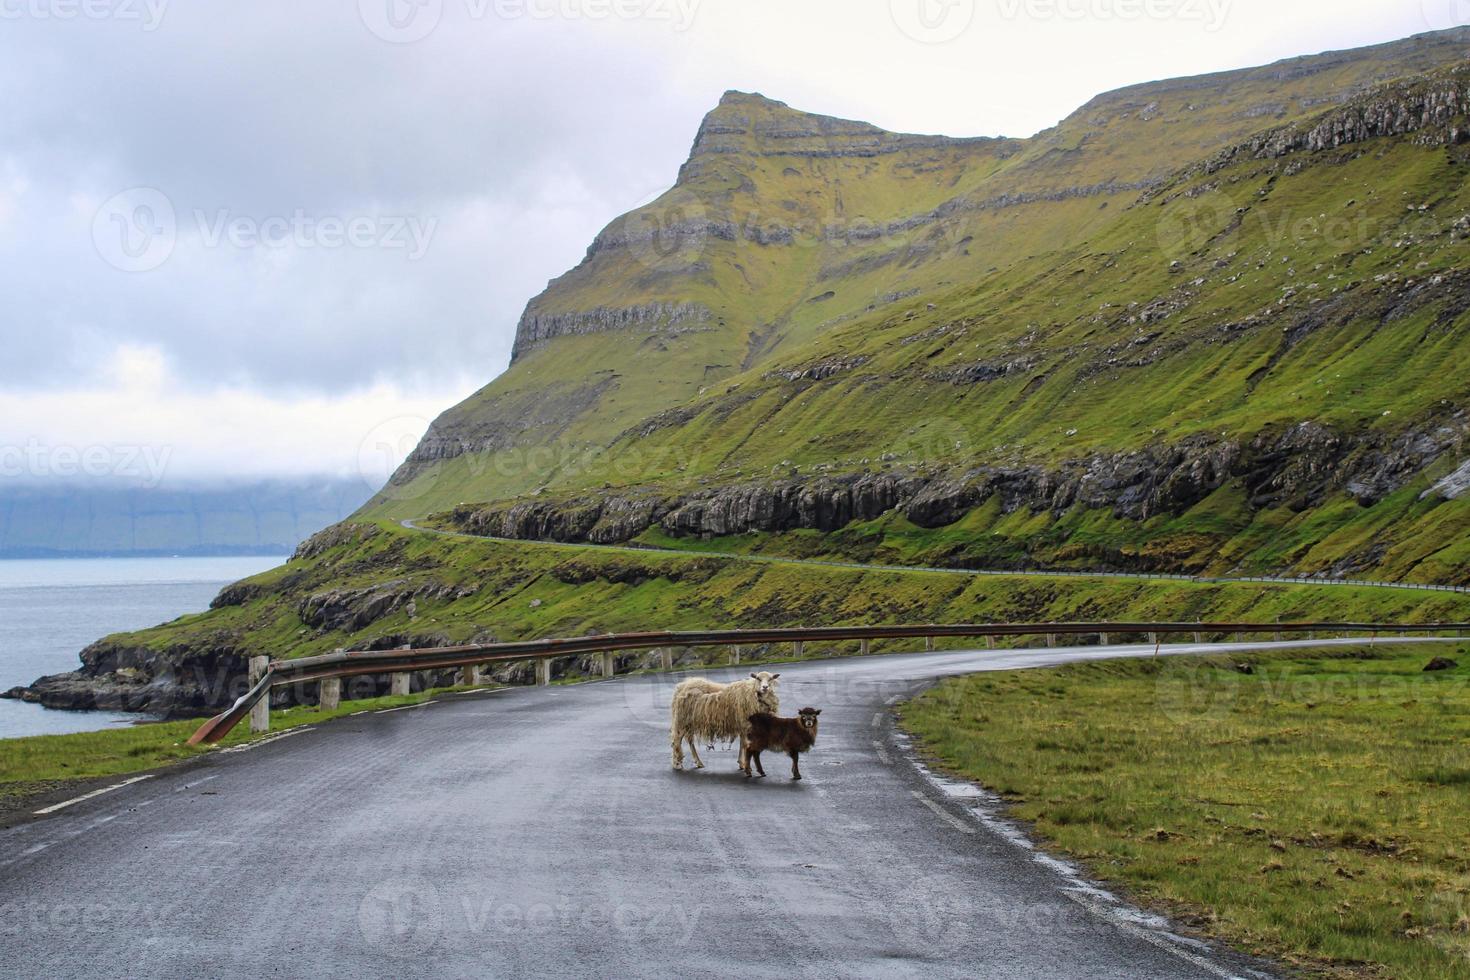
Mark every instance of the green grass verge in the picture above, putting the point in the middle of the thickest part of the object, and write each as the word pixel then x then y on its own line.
pixel 1312 810
pixel 43 763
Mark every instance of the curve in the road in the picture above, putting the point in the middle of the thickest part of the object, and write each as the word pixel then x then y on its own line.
pixel 540 831
pixel 413 525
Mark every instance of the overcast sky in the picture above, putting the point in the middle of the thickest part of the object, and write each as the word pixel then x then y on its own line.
pixel 277 237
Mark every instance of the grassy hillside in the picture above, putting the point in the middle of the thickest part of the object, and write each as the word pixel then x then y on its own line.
pixel 1187 271
pixel 379 586
pixel 1207 325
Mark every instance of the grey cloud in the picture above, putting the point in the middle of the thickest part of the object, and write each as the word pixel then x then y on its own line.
pixel 480 137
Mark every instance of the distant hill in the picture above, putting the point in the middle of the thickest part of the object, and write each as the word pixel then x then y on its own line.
pixel 1208 325
pixel 266 518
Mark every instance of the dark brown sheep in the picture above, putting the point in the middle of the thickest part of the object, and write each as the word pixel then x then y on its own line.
pixel 790 735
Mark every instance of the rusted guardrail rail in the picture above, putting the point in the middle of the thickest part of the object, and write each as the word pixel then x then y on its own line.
pixel 330 669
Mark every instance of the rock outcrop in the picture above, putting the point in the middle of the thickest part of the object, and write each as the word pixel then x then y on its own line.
pixel 536 328
pixel 1296 467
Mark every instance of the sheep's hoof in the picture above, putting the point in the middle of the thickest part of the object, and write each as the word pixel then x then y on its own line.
pixel 796 777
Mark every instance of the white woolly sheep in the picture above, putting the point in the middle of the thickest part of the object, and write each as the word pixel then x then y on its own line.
pixel 718 713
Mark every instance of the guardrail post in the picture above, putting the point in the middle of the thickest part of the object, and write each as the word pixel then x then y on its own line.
pixel 928 644
pixel 1102 639
pixel 399 684
pixel 735 655
pixel 260 715
pixel 990 642
pixel 1199 637
pixel 329 696
pixel 470 676
pixel 1051 639
pixel 543 672
pixel 1153 638
pixel 864 646
pixel 798 649
pixel 666 656
pixel 609 664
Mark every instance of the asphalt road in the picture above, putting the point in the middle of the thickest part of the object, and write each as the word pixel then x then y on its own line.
pixel 542 831
pixel 413 525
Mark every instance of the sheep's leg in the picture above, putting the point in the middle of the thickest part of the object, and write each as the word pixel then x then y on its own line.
pixel 694 750
pixel 755 757
pixel 678 741
pixel 743 762
pixel 795 768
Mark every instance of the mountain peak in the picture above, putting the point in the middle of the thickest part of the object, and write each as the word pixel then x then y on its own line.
pixel 737 97
pixel 749 124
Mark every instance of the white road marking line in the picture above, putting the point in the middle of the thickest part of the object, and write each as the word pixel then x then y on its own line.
pixel 882 753
pixel 192 783
pixel 894 700
pixel 949 818
pixel 1152 937
pixel 1079 890
pixel 89 796
pixel 267 741
pixel 406 707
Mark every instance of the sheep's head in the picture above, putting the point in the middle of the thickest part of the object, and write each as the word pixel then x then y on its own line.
pixel 808 718
pixel 765 686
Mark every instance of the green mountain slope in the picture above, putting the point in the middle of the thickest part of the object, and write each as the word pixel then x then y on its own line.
pixel 1201 324
pixel 1211 325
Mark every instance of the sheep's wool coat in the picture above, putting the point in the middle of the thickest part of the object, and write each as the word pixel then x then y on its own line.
pixel 718 712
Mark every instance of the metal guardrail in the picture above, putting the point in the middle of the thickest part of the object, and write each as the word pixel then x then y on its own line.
pixel 333 667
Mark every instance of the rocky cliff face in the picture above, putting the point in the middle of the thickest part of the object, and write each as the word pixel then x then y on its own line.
pixel 535 329
pixel 1295 467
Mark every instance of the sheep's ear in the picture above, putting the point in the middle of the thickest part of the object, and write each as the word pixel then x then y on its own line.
pixel 774 676
pixel 817 712
pixel 754 677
